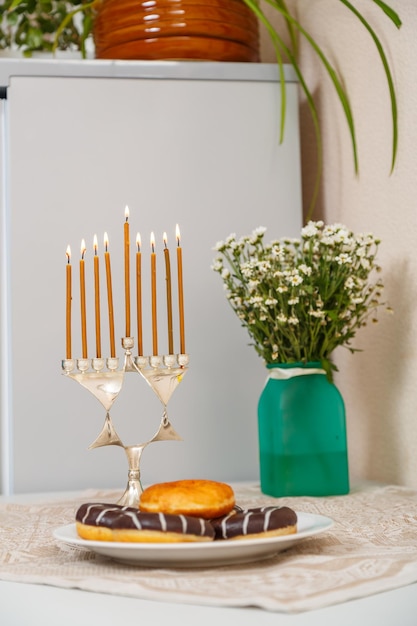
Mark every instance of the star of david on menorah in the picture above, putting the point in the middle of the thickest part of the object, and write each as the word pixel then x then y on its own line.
pixel 104 377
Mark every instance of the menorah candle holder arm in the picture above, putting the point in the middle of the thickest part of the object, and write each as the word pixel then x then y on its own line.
pixel 103 378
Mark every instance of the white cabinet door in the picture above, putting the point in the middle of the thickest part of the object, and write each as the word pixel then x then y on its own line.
pixel 203 153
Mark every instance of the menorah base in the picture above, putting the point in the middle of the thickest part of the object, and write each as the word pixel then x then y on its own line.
pixel 133 490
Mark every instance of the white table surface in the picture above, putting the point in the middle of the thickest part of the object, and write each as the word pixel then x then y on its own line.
pixel 24 604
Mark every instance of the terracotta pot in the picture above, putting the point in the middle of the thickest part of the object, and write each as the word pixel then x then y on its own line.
pixel 210 30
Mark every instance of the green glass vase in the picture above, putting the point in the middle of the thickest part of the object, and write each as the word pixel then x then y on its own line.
pixel 302 433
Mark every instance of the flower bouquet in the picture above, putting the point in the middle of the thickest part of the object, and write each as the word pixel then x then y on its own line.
pixel 299 300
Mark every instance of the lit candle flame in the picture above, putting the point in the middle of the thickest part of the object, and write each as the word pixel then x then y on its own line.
pixel 153 242
pixel 165 238
pixel 126 213
pixel 177 234
pixel 106 242
pixel 83 248
pixel 68 253
pixel 138 242
pixel 95 244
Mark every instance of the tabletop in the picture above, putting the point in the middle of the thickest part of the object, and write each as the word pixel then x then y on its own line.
pixel 373 572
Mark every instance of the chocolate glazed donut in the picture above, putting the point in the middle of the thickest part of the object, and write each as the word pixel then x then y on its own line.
pixel 112 522
pixel 259 522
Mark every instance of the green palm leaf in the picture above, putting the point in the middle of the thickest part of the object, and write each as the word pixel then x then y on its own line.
pixel 333 76
pixel 294 26
pixel 277 43
pixel 394 110
pixel 390 12
pixel 291 30
pixel 279 46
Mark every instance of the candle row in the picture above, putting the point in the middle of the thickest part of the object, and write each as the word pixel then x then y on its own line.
pixel 127 294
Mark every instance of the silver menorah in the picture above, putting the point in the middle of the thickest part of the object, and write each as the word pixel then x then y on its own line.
pixel 104 379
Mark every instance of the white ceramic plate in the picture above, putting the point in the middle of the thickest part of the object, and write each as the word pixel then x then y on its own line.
pixel 198 554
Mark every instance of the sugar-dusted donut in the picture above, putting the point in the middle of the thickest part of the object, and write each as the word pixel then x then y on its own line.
pixel 266 521
pixel 195 497
pixel 112 522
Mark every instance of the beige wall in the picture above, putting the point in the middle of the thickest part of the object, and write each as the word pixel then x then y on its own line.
pixel 379 384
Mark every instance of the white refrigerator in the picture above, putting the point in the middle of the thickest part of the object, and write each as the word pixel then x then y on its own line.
pixel 194 144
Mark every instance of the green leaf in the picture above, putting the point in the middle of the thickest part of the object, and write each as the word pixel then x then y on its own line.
pixel 277 43
pixel 12 18
pixel 290 28
pixel 15 4
pixel 316 125
pixel 394 110
pixel 390 12
pixel 333 76
pixel 67 20
pixel 34 38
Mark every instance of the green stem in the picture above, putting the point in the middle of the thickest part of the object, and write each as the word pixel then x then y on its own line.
pixel 67 19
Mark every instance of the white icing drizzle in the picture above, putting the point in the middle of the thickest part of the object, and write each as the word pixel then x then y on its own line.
pixel 134 518
pixel 223 528
pixel 87 512
pixel 163 521
pixel 266 511
pixel 100 515
pixel 102 510
pixel 245 523
pixel 223 524
pixel 267 518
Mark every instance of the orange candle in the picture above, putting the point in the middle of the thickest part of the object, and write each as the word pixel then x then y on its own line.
pixel 68 307
pixel 82 300
pixel 153 288
pixel 139 293
pixel 169 296
pixel 127 271
pixel 180 291
pixel 97 297
pixel 109 295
